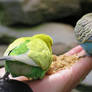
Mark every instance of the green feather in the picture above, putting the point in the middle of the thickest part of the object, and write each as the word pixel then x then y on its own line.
pixel 38 48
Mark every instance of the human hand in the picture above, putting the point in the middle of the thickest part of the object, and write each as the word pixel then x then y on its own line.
pixel 64 80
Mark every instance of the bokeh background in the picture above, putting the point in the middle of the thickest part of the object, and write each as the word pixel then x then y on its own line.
pixel 56 18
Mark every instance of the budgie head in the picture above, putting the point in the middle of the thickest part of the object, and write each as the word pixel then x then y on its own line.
pixel 83 28
pixel 83 32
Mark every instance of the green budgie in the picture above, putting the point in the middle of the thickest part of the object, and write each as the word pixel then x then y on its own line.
pixel 29 56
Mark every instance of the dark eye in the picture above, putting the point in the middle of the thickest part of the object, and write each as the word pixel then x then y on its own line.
pixel 13 86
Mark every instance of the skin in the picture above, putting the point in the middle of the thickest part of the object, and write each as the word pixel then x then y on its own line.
pixel 65 80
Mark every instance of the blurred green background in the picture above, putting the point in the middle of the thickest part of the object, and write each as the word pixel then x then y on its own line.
pixel 56 18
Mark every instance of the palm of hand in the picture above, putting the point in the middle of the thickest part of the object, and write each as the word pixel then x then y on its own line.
pixel 62 81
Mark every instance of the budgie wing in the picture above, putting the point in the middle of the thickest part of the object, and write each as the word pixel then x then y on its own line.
pixel 40 53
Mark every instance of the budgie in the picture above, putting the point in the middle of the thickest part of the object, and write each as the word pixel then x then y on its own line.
pixel 29 56
pixel 83 33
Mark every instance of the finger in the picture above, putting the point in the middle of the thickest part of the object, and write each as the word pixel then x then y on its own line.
pixel 75 50
pixel 81 69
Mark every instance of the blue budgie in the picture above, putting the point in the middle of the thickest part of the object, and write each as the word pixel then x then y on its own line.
pixel 83 33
